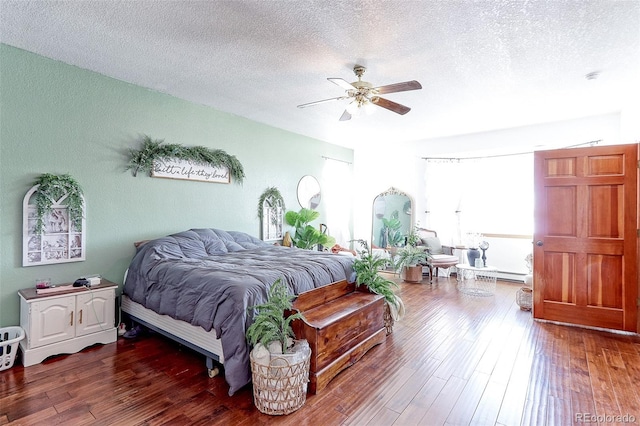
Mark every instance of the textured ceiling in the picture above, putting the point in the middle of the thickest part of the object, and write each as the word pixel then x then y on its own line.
pixel 483 65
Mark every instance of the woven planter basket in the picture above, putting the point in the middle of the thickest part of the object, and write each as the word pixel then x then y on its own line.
pixel 388 319
pixel 524 298
pixel 280 387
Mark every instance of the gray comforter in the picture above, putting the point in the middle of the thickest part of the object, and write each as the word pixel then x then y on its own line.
pixel 209 277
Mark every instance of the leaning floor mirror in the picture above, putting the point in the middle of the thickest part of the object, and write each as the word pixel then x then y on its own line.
pixel 392 218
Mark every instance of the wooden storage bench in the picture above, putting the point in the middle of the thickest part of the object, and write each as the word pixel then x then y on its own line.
pixel 341 324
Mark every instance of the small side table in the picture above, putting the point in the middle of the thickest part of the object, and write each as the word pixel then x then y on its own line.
pixel 476 281
pixel 67 321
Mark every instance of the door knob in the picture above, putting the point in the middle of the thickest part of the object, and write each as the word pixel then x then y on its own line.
pixel 539 243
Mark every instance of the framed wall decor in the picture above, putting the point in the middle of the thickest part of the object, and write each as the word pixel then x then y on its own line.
pixel 271 210
pixel 272 221
pixel 58 240
pixel 176 168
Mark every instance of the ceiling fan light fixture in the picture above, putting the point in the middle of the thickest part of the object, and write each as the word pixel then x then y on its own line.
pixel 361 105
pixel 368 107
pixel 364 96
pixel 353 108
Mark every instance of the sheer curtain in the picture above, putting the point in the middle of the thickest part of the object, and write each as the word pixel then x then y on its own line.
pixel 337 177
pixel 484 195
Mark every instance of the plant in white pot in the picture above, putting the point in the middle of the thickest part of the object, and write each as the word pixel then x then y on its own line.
pixel 409 260
pixel 279 364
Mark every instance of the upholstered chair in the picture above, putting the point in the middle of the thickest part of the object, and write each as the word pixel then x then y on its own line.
pixel 439 256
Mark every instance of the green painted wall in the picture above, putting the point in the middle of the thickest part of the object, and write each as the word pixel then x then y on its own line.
pixel 57 118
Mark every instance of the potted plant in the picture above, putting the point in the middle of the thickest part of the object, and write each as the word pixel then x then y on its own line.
pixel 367 266
pixel 413 238
pixel 279 364
pixel 408 260
pixel 307 236
pixel 391 232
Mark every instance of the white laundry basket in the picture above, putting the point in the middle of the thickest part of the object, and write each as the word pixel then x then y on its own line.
pixel 9 339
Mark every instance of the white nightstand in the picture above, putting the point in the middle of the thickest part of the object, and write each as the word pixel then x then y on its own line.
pixel 66 322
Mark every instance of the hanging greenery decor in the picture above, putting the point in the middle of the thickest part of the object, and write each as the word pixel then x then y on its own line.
pixel 153 150
pixel 52 190
pixel 270 193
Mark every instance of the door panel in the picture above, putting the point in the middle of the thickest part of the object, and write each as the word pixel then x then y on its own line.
pixel 604 281
pixel 585 258
pixel 562 218
pixel 561 287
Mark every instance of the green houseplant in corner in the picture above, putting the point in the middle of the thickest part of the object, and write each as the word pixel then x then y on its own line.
pixel 367 267
pixel 307 236
pixel 409 260
pixel 279 364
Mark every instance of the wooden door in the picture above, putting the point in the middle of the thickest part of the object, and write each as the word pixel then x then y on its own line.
pixel 585 239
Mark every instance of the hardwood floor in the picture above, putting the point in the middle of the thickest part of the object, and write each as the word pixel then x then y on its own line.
pixel 454 359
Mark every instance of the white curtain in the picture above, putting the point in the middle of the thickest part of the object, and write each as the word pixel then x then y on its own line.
pixel 488 195
pixel 337 193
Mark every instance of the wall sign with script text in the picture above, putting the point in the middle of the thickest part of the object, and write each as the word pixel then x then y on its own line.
pixel 175 168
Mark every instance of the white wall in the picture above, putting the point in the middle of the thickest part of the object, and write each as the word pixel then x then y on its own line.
pixel 401 166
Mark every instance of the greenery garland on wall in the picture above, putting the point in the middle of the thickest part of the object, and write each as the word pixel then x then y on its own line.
pixel 274 194
pixel 153 150
pixel 51 189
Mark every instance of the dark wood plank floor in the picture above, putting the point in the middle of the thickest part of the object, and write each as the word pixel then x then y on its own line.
pixel 453 359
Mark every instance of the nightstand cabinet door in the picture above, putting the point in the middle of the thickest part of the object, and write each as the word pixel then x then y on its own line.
pixel 94 312
pixel 52 320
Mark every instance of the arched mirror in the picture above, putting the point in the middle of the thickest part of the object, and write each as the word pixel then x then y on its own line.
pixel 309 192
pixel 392 218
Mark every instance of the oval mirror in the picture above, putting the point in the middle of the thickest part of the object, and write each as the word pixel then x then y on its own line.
pixel 309 192
pixel 392 218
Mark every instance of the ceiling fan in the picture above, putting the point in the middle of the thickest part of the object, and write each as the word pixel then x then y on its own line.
pixel 362 94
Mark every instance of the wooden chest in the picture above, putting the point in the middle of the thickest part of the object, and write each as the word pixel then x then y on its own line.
pixel 341 324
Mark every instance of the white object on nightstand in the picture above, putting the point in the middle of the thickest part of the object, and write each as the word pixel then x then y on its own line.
pixel 65 323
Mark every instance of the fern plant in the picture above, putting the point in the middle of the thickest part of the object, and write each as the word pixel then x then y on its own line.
pixel 154 150
pixel 271 194
pixel 52 188
pixel 409 256
pixel 271 322
pixel 367 266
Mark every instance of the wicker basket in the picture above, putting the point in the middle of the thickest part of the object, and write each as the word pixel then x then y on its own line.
pixel 524 298
pixel 9 339
pixel 280 387
pixel 388 319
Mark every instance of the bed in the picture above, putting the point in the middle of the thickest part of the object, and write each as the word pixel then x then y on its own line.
pixel 195 286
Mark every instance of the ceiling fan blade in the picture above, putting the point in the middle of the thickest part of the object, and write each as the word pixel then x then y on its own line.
pixel 390 105
pixel 342 83
pixel 345 116
pixel 339 98
pixel 399 87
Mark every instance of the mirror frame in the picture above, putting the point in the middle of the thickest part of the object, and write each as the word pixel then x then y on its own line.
pixel 308 192
pixel 379 207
